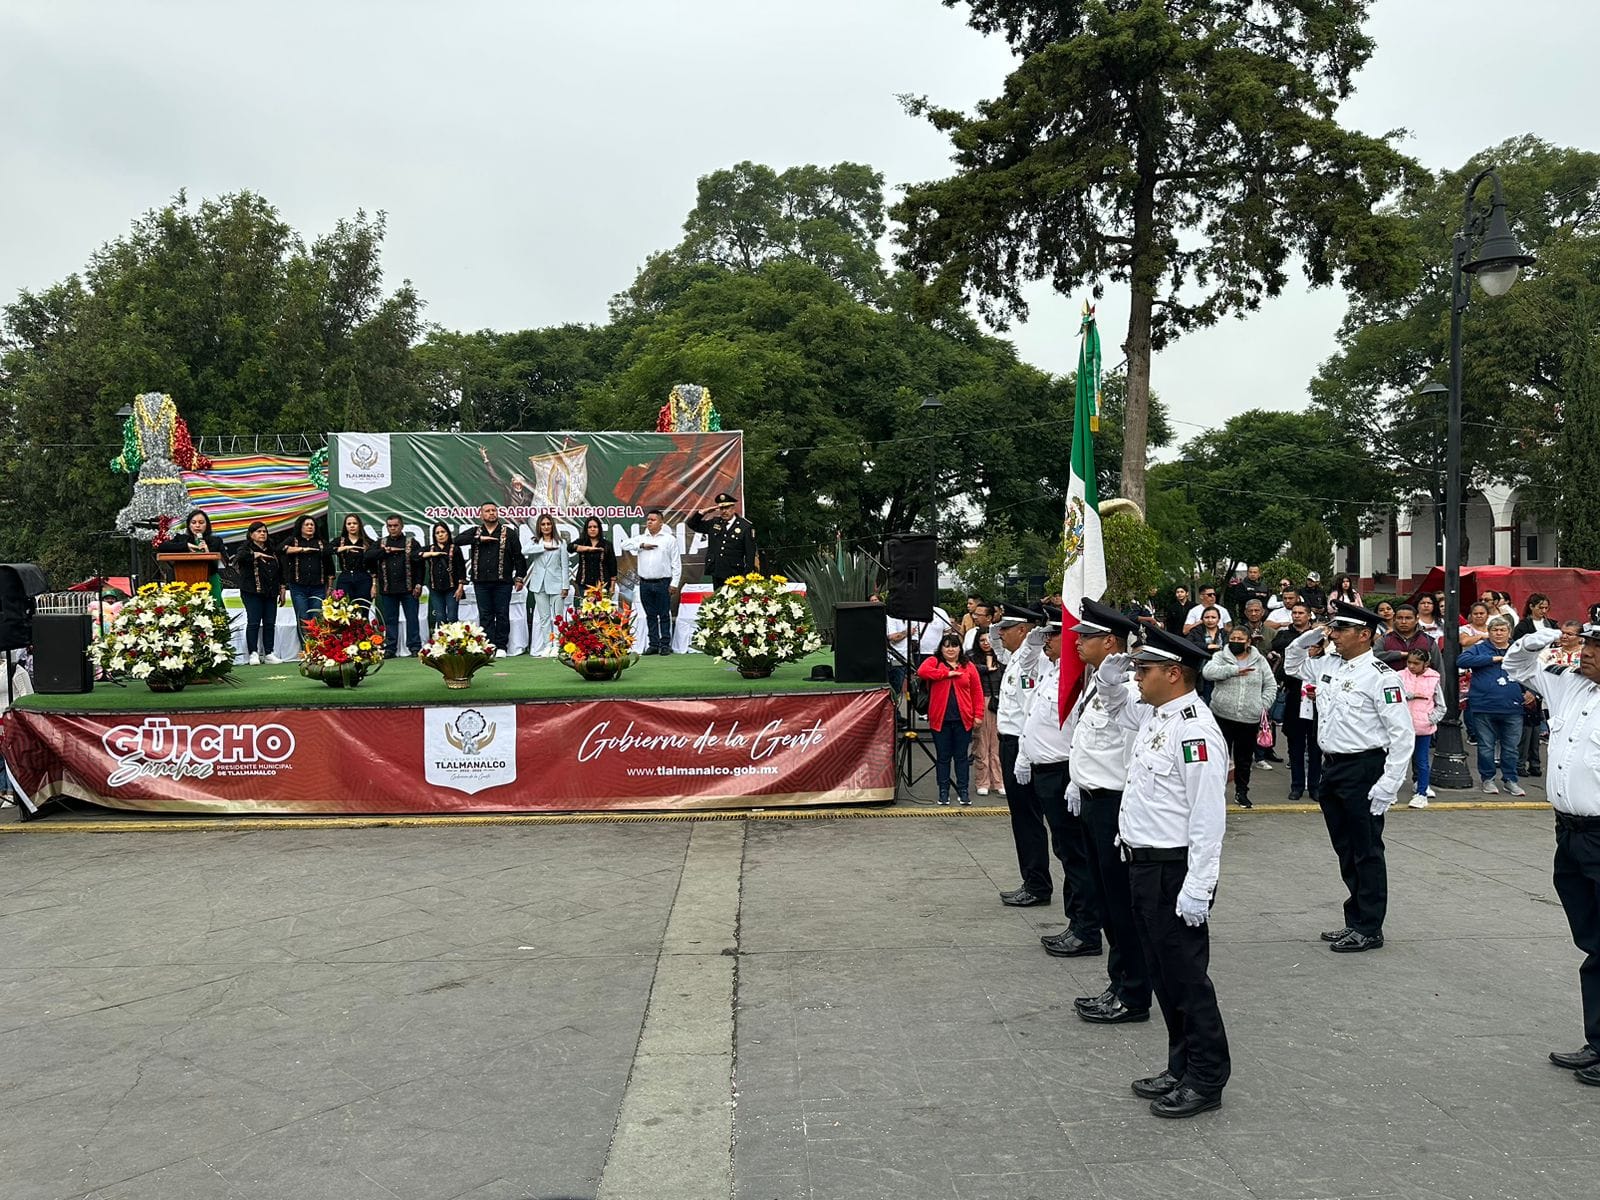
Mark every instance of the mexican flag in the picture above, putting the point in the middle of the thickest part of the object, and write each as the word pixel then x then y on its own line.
pixel 1085 575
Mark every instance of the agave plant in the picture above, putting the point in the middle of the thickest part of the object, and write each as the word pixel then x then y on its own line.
pixel 827 586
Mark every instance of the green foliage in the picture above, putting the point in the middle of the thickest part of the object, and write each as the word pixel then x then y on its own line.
pixel 1133 564
pixel 531 379
pixel 225 307
pixel 1187 151
pixel 827 586
pixel 1287 568
pixel 1001 553
pixel 1312 544
pixel 1580 445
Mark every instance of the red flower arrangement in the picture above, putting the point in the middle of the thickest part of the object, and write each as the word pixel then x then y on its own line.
pixel 596 639
pixel 342 635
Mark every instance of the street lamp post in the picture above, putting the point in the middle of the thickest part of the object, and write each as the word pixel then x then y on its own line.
pixel 1500 260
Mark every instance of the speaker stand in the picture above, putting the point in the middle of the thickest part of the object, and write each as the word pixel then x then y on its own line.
pixel 908 740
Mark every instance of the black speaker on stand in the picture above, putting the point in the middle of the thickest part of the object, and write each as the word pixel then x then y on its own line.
pixel 913 575
pixel 859 643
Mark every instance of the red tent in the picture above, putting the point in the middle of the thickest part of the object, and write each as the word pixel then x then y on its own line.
pixel 1571 591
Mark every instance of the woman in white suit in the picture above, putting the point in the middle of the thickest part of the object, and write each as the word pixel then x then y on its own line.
pixel 549 585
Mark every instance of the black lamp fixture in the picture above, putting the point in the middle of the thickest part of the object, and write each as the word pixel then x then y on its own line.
pixel 1499 262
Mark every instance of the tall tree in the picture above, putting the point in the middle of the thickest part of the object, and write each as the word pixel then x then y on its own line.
pixel 1579 525
pixel 1185 148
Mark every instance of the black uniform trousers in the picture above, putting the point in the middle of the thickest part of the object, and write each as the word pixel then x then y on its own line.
pixel 1070 838
pixel 1179 958
pixel 1357 835
pixel 1027 823
pixel 1125 965
pixel 1577 880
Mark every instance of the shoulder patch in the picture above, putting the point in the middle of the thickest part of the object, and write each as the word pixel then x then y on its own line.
pixel 1392 694
pixel 1190 713
pixel 1383 667
pixel 1195 751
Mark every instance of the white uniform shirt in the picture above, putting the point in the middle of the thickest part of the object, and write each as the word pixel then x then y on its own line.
pixel 1100 743
pixel 1045 738
pixel 660 561
pixel 1177 783
pixel 1572 758
pixel 1360 706
pixel 1018 687
pixel 1194 615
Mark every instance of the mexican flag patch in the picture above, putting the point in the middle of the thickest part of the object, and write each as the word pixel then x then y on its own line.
pixel 1194 751
pixel 1392 695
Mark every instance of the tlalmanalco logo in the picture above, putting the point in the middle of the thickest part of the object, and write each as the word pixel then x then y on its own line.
pixel 364 461
pixel 158 749
pixel 470 749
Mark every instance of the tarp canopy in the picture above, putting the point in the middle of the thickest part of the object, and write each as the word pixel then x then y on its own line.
pixel 1571 591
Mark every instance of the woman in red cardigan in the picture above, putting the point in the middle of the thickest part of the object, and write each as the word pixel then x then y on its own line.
pixel 955 706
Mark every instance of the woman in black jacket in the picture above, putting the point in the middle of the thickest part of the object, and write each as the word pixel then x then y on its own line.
pixel 597 561
pixel 307 568
pixel 446 566
pixel 352 552
pixel 261 589
pixel 197 538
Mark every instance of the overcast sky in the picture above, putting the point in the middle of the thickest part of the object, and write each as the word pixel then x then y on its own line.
pixel 530 154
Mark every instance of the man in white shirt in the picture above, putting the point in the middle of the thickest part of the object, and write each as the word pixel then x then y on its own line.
pixel 1208 599
pixel 660 569
pixel 931 631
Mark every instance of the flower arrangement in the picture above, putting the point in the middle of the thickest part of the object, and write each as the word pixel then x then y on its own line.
pixel 596 638
pixel 344 642
pixel 456 650
pixel 168 634
pixel 755 624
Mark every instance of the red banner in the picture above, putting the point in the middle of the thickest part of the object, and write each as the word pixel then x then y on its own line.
pixel 756 751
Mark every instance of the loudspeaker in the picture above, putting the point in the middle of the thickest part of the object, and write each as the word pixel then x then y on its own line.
pixel 913 575
pixel 61 653
pixel 19 584
pixel 859 643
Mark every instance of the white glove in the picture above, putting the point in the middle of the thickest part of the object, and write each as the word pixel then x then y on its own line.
pixel 1381 800
pixel 1540 639
pixel 1023 771
pixel 1036 638
pixel 1194 912
pixel 1114 670
pixel 1074 800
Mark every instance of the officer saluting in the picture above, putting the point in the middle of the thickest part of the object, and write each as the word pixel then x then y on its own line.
pixel 1365 730
pixel 1173 813
pixel 730 540
pixel 1572 782
pixel 1018 687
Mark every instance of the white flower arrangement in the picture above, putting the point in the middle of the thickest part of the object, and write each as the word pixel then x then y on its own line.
pixel 753 623
pixel 169 633
pixel 457 637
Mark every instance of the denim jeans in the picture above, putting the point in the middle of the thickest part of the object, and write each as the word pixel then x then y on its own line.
pixel 392 607
pixel 655 596
pixel 494 612
pixel 307 601
pixel 952 743
pixel 1499 735
pixel 1420 763
pixel 260 621
pixel 443 608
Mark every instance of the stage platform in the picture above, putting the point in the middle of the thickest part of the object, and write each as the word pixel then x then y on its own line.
pixel 681 732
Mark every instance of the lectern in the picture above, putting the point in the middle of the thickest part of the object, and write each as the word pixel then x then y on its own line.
pixel 191 568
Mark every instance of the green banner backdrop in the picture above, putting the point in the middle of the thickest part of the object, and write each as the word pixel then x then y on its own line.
pixel 427 477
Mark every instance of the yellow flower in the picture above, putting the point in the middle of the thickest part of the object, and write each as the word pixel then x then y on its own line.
pixel 753 577
pixel 366 645
pixel 780 579
pixel 148 589
pixel 569 648
pixel 734 580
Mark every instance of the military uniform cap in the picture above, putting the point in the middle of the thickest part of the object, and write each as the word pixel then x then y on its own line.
pixel 1345 613
pixel 726 498
pixel 1015 614
pixel 1098 618
pixel 1165 649
pixel 1052 618
pixel 1590 633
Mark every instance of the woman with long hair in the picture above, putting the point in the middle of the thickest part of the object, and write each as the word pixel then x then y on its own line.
pixel 1209 635
pixel 307 568
pixel 1428 615
pixel 197 538
pixel 597 561
pixel 549 584
pixel 986 736
pixel 261 590
pixel 446 568
pixel 955 705
pixel 1385 611
pixel 1344 588
pixel 353 552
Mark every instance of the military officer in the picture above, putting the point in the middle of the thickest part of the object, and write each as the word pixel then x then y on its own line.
pixel 1042 754
pixel 1018 687
pixel 1572 782
pixel 1171 824
pixel 1365 730
pixel 1099 772
pixel 730 540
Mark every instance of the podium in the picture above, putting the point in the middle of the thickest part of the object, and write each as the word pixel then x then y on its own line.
pixel 191 568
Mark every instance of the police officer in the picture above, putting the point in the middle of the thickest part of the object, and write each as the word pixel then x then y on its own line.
pixel 1173 813
pixel 1572 782
pixel 1042 754
pixel 730 540
pixel 1365 730
pixel 1019 684
pixel 1099 771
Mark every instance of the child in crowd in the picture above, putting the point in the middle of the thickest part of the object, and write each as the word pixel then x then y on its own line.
pixel 1425 698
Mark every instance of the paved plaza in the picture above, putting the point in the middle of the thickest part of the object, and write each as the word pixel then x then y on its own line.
pixel 772 1009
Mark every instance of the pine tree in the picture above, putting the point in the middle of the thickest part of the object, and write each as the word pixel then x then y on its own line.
pixel 1579 523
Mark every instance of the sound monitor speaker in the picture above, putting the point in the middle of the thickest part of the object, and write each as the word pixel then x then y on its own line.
pixel 19 584
pixel 913 575
pixel 859 643
pixel 60 653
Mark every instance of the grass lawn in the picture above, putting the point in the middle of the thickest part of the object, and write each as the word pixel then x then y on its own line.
pixel 407 681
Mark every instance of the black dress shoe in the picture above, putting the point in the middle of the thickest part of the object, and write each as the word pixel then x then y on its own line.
pixel 1184 1102
pixel 1589 1075
pixel 1335 935
pixel 1354 942
pixel 1114 1012
pixel 1578 1060
pixel 1153 1087
pixel 1069 945
pixel 1244 801
pixel 1023 898
pixel 1296 795
pixel 1095 1001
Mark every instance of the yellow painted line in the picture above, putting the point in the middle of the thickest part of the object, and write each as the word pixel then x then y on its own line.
pixel 124 824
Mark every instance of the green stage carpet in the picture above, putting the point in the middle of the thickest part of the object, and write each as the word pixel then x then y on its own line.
pixel 407 681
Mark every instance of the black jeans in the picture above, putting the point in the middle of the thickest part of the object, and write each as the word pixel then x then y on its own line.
pixel 655 597
pixel 1241 739
pixel 1577 881
pixel 1180 961
pixel 1027 824
pixel 1305 756
pixel 1071 841
pixel 1130 976
pixel 392 606
pixel 494 612
pixel 1357 836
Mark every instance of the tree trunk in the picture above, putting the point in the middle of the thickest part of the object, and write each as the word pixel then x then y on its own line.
pixel 1145 277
